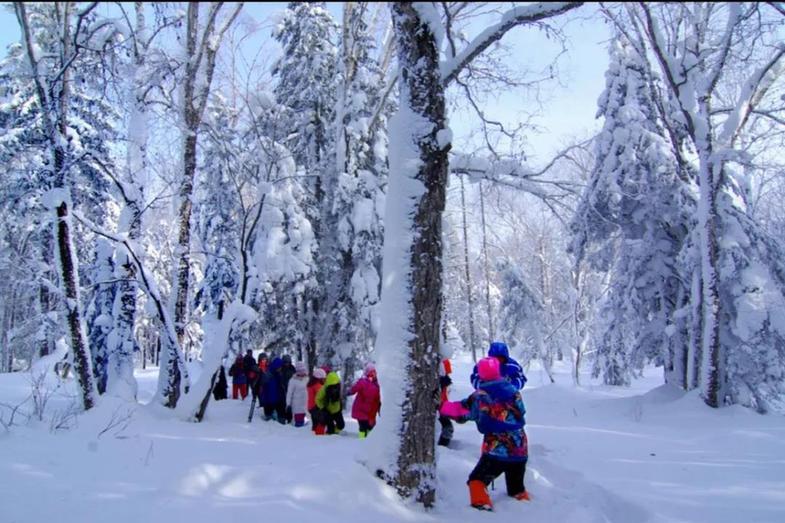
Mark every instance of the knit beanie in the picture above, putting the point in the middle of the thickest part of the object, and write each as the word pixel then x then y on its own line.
pixel 488 369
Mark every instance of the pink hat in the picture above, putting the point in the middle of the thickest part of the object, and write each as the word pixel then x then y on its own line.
pixel 300 367
pixel 369 367
pixel 319 374
pixel 488 369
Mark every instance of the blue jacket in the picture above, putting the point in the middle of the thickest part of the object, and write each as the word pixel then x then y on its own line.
pixel 272 384
pixel 497 408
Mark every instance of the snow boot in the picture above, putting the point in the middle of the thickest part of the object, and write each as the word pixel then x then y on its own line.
pixel 478 495
pixel 523 496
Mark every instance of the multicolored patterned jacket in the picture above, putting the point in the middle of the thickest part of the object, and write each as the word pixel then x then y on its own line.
pixel 498 409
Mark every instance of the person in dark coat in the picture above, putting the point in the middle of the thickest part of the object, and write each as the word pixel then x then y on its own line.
pixel 250 367
pixel 287 372
pixel 445 369
pixel 219 389
pixel 273 393
pixel 510 369
pixel 239 380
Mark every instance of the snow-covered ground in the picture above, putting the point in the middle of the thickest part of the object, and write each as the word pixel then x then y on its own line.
pixel 598 454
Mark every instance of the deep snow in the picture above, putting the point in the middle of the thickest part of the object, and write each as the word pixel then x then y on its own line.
pixel 598 454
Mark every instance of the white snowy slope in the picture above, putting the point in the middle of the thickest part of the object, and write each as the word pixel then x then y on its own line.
pixel 597 455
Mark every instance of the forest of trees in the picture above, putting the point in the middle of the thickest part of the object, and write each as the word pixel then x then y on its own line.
pixel 170 198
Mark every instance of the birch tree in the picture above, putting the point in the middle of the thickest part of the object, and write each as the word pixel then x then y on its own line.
pixel 68 32
pixel 202 43
pixel 702 49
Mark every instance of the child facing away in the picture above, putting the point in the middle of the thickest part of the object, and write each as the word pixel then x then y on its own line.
pixel 273 393
pixel 239 379
pixel 368 402
pixel 297 394
pixel 497 408
pixel 314 384
pixel 328 401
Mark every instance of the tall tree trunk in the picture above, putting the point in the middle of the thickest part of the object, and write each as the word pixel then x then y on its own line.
pixel 74 317
pixel 45 343
pixel 54 102
pixel 121 379
pixel 467 274
pixel 711 372
pixel 578 338
pixel 417 188
pixel 488 306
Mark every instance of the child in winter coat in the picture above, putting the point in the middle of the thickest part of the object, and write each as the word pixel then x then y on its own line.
pixel 287 372
pixel 498 409
pixel 297 394
pixel 368 402
pixel 314 384
pixel 510 369
pixel 239 380
pixel 273 393
pixel 328 401
pixel 445 369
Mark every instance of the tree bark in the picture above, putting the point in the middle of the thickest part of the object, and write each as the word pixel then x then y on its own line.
pixel 421 91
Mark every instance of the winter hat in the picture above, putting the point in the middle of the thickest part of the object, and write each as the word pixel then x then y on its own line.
pixel 499 350
pixel 300 368
pixel 319 374
pixel 369 368
pixel 488 369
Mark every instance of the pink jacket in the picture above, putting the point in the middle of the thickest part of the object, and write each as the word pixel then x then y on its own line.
pixel 368 401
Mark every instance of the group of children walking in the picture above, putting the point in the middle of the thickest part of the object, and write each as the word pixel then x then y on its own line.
pixel 286 393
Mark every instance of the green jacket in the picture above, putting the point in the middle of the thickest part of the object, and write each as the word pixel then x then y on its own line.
pixel 332 386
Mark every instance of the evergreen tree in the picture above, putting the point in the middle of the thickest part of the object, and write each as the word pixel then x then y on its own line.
pixel 352 230
pixel 305 89
pixel 632 222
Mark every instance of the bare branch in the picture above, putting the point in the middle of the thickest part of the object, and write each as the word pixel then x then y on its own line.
pixel 512 18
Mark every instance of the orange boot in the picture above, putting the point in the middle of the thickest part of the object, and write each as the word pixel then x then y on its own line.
pixel 478 495
pixel 523 496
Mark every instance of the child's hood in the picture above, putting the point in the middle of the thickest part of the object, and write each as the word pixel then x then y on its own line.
pixel 332 379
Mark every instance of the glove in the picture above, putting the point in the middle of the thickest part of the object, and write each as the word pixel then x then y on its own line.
pixel 445 381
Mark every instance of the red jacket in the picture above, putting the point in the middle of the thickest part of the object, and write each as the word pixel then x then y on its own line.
pixel 368 401
pixel 313 388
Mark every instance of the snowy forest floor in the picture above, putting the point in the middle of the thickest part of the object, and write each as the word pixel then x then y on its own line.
pixel 597 454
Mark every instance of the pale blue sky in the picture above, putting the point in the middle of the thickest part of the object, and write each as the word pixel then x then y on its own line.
pixel 567 110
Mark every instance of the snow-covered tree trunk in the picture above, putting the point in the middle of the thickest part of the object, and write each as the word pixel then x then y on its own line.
pixel 54 103
pixel 412 291
pixel 201 49
pixel 709 231
pixel 121 381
